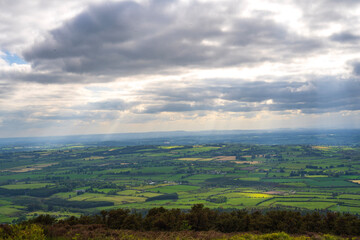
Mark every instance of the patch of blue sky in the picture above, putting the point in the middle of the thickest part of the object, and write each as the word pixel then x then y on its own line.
pixel 12 58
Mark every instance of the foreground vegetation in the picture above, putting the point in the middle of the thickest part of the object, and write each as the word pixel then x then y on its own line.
pixel 34 232
pixel 83 180
pixel 200 218
pixel 198 223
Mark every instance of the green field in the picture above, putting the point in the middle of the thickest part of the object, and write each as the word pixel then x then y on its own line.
pixel 27 185
pixel 87 179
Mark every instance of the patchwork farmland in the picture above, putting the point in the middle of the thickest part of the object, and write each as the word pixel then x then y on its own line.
pixel 87 179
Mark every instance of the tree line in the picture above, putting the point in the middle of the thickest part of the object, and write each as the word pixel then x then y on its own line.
pixel 199 218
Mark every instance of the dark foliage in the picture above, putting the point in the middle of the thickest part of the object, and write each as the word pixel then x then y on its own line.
pixel 200 218
pixel 228 181
pixel 163 197
pixel 38 192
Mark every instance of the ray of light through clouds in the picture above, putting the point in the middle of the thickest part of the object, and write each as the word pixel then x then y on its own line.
pixel 93 66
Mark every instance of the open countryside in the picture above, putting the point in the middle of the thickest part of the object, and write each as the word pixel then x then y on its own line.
pixel 83 180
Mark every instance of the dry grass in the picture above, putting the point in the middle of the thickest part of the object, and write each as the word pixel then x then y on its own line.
pixel 320 147
pixel 225 158
pixel 247 162
pixel 355 181
pixel 29 168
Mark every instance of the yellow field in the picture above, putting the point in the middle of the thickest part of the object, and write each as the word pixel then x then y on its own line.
pixel 321 147
pixel 169 147
pixel 247 162
pixel 247 195
pixel 257 195
pixel 225 158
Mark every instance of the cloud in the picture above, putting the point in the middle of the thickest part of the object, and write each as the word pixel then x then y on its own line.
pixel 176 107
pixel 173 101
pixel 6 90
pixel 322 94
pixel 96 65
pixel 355 65
pixel 324 16
pixel 127 38
pixel 85 116
pixel 32 19
pixel 116 104
pixel 344 37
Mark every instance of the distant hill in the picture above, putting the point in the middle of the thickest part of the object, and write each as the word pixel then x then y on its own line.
pixel 279 136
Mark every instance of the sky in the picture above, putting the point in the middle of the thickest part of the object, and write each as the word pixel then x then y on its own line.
pixel 93 66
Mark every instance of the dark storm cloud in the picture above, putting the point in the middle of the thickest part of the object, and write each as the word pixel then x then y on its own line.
pixel 127 38
pixel 316 96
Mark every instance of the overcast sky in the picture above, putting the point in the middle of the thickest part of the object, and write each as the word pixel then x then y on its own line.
pixel 92 66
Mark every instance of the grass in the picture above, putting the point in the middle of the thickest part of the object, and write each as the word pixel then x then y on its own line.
pixel 245 201
pixel 317 176
pixel 157 170
pixel 60 215
pixel 64 195
pixel 170 147
pixel 27 185
pixel 195 159
pixel 6 219
pixel 345 209
pixel 148 194
pixel 307 205
pixel 296 184
pixel 249 179
pixel 174 189
pixel 10 210
pixel 5 202
pixel 128 192
pixel 117 200
pixel 93 158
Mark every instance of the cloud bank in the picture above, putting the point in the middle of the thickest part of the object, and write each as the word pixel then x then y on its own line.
pixel 114 66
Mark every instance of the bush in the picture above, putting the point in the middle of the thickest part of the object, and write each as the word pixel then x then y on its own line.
pixel 22 232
